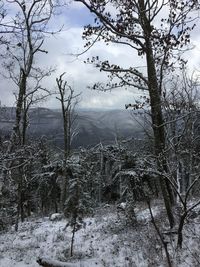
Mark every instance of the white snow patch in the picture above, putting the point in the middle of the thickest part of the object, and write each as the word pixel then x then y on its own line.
pixel 105 240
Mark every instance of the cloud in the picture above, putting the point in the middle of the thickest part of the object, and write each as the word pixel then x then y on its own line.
pixel 81 75
pixel 60 49
pixel 6 93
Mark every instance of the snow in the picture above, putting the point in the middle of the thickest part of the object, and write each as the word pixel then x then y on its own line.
pixel 105 240
pixel 56 216
pixel 51 262
pixel 122 205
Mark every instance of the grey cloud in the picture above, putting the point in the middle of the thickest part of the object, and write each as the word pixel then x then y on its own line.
pixel 81 75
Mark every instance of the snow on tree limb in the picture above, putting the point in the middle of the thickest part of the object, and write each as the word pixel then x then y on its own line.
pixel 54 263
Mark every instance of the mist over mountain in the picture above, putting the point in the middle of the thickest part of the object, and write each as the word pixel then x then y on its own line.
pixel 90 126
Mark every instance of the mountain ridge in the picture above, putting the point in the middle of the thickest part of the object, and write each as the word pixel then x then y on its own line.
pixel 92 126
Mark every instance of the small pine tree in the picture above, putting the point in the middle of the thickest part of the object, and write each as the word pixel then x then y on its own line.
pixel 78 203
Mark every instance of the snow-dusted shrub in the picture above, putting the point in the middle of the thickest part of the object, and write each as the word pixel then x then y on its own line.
pixel 58 236
pixel 78 203
pixel 56 217
pixel 42 237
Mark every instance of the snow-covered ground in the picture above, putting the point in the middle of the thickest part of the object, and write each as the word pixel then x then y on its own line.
pixel 105 240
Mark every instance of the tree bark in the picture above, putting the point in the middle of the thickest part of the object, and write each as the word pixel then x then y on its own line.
pixel 156 113
pixel 159 133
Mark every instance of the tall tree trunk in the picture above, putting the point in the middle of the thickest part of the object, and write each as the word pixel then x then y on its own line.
pixel 24 123
pixel 19 107
pixel 159 131
pixel 156 113
pixel 64 176
pixel 63 192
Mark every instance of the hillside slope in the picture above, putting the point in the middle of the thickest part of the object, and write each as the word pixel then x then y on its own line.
pixel 91 126
pixel 105 240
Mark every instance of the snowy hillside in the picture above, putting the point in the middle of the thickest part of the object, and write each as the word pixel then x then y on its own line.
pixel 106 239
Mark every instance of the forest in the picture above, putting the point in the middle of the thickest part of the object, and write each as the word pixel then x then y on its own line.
pixel 130 201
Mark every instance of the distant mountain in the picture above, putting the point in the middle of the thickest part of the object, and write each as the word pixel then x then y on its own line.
pixel 91 126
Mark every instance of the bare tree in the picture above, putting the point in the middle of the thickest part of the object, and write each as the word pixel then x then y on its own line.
pixel 181 107
pixel 36 94
pixel 181 111
pixel 68 100
pixel 26 32
pixel 30 25
pixel 138 25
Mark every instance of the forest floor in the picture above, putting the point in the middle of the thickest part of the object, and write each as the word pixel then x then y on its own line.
pixel 106 239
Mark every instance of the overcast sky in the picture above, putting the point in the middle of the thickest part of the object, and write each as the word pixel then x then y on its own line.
pixel 79 74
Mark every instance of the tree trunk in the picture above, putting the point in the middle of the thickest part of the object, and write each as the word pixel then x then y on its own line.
pixel 180 230
pixel 63 193
pixel 156 113
pixel 20 197
pixel 73 235
pixel 52 263
pixel 159 133
pixel 19 107
pixel 64 177
pixel 16 135
pixel 25 124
